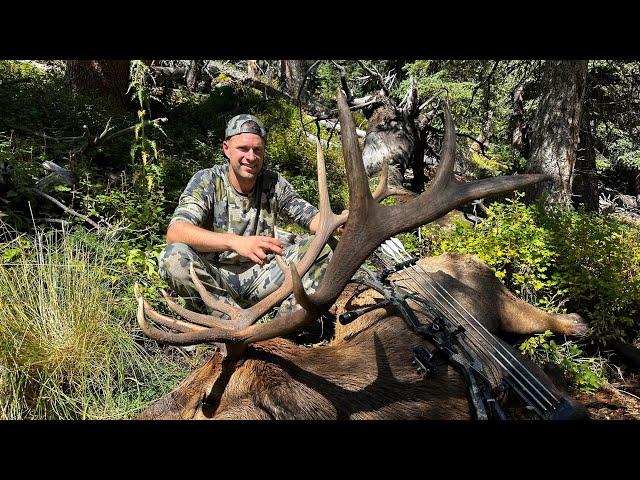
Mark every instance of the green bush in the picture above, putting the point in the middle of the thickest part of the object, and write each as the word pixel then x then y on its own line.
pixel 586 374
pixel 598 265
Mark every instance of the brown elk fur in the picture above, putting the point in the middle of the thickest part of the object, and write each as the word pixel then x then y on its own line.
pixel 365 372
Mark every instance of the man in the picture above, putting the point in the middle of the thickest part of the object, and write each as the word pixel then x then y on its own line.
pixel 225 224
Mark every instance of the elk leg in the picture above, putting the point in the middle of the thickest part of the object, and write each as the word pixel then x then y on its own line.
pixel 518 316
pixel 476 286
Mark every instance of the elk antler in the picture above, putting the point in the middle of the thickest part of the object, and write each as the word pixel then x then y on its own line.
pixel 384 190
pixel 211 328
pixel 369 223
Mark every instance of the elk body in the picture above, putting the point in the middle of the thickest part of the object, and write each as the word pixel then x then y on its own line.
pixel 366 371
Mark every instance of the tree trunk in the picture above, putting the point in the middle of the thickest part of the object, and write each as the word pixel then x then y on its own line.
pixel 292 73
pixel 556 129
pixel 108 78
pixel 194 73
pixel 517 118
pixel 252 69
pixel 635 185
pixel 585 182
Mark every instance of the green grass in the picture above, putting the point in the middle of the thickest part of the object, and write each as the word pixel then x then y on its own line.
pixel 69 345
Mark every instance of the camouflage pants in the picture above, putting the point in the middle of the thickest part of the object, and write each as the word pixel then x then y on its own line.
pixel 238 285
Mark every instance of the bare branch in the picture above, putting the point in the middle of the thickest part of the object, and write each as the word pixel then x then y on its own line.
pixel 156 122
pixel 343 80
pixel 69 210
pixel 374 73
pixel 477 87
pixel 44 136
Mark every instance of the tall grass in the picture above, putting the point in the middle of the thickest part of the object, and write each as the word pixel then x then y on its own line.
pixel 68 346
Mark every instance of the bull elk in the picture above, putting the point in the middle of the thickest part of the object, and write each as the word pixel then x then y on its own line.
pixel 366 371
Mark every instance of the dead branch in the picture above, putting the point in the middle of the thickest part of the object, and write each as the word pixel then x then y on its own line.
pixel 304 80
pixel 245 79
pixel 336 125
pixel 103 137
pixel 21 128
pixel 69 210
pixel 63 223
pixel 374 73
pixel 56 173
pixel 458 134
pixel 432 98
pixel 156 123
pixel 311 138
pixel 163 76
pixel 343 80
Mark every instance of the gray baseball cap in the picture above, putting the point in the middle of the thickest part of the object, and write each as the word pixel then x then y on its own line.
pixel 244 123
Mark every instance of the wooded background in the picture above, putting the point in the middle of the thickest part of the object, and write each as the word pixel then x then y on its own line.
pixel 95 153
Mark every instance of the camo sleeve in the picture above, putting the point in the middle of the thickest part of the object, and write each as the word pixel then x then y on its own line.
pixel 292 205
pixel 196 200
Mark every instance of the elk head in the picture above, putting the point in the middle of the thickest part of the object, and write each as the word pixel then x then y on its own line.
pixel 368 225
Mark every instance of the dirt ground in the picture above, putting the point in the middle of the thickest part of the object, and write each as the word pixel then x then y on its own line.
pixel 618 400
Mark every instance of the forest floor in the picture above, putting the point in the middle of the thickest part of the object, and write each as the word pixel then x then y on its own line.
pixel 615 401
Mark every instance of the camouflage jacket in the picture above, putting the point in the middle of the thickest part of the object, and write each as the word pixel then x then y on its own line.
pixel 211 202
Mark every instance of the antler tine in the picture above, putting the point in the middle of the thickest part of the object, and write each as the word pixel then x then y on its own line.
pixel 301 295
pixel 448 153
pixel 209 300
pixel 145 309
pixel 359 194
pixel 193 317
pixel 323 190
pixel 383 190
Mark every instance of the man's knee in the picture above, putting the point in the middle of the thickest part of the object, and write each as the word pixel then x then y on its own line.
pixel 174 261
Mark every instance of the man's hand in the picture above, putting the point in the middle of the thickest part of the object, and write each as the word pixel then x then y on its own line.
pixel 256 248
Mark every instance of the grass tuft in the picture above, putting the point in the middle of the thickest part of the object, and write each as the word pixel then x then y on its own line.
pixel 69 346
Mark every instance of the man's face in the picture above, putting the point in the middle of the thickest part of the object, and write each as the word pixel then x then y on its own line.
pixel 246 156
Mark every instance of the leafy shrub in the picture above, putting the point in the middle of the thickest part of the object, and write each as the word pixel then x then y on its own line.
pixel 599 267
pixel 585 374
